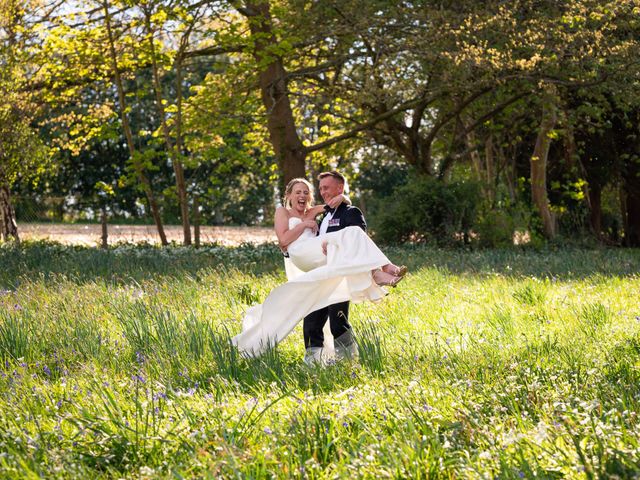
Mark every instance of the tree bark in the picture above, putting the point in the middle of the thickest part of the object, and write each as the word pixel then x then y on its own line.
pixel 595 209
pixel 174 154
pixel 632 205
pixel 8 225
pixel 137 166
pixel 539 168
pixel 489 162
pixel 288 147
pixel 196 220
pixel 105 233
pixel 622 202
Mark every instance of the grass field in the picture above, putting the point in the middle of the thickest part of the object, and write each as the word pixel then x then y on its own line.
pixel 482 364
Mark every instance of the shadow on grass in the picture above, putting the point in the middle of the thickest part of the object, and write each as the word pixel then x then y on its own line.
pixel 126 263
pixel 555 263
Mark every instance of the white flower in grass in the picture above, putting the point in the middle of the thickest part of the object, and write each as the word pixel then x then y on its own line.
pixel 147 471
pixel 486 455
pixel 541 433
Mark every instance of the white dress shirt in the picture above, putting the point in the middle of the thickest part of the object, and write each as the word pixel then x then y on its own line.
pixel 325 223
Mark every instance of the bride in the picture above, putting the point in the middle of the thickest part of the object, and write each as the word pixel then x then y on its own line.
pixel 344 265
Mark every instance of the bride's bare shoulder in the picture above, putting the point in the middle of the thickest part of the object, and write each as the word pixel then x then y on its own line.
pixel 282 212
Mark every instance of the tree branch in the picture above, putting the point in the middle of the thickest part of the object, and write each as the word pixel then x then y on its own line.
pixel 364 126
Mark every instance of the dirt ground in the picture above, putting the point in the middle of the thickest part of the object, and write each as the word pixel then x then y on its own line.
pixel 90 234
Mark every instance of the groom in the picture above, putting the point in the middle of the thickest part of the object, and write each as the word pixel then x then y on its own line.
pixel 332 184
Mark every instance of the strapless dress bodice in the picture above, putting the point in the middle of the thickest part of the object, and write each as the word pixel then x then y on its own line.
pixel 306 250
pixel 307 234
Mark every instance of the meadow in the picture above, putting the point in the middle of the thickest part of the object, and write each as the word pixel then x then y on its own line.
pixel 515 363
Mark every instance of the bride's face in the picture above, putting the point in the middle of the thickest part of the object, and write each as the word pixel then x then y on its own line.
pixel 300 197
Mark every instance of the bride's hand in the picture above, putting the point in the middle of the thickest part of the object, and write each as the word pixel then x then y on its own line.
pixel 324 247
pixel 338 199
pixel 311 224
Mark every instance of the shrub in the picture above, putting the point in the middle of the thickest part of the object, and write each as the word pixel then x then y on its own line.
pixel 495 229
pixel 427 209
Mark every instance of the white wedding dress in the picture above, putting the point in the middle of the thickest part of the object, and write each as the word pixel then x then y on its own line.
pixel 315 281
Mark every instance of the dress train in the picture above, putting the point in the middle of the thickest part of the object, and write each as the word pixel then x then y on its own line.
pixel 317 281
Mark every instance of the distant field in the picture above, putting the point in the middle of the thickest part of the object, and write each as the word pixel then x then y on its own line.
pixel 90 234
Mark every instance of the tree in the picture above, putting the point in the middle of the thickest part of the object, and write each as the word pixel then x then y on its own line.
pixel 22 154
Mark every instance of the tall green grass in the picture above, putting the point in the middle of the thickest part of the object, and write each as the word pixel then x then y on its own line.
pixel 498 363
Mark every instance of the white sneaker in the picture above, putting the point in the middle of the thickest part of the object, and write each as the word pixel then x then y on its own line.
pixel 346 347
pixel 313 356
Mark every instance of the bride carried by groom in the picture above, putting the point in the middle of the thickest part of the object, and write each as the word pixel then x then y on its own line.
pixel 329 264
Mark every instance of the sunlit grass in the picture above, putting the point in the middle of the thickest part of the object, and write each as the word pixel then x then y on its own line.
pixel 506 363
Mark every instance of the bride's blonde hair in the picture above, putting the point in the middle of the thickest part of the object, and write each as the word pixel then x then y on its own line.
pixel 289 188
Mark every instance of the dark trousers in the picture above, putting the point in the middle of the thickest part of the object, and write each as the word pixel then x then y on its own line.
pixel 338 315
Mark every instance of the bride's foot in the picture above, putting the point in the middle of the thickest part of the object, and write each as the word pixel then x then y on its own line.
pixel 396 271
pixel 385 279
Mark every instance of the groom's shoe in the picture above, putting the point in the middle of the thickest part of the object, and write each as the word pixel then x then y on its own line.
pixel 313 356
pixel 346 347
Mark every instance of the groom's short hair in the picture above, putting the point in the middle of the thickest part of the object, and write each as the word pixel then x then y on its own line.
pixel 334 174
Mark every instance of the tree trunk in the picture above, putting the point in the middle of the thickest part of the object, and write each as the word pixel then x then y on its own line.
pixel 507 169
pixel 196 220
pixel 622 199
pixel 288 147
pixel 174 155
pixel 489 162
pixel 575 166
pixel 476 162
pixel 137 166
pixel 8 225
pixel 632 205
pixel 595 209
pixel 105 233
pixel 539 168
pixel 632 234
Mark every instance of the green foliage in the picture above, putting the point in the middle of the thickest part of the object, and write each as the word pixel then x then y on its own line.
pixel 427 209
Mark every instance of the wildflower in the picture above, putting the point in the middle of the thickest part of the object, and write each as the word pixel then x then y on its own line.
pixel 148 471
pixel 268 431
pixel 46 370
pixel 139 358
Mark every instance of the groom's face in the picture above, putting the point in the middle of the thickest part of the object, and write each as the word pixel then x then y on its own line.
pixel 330 187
